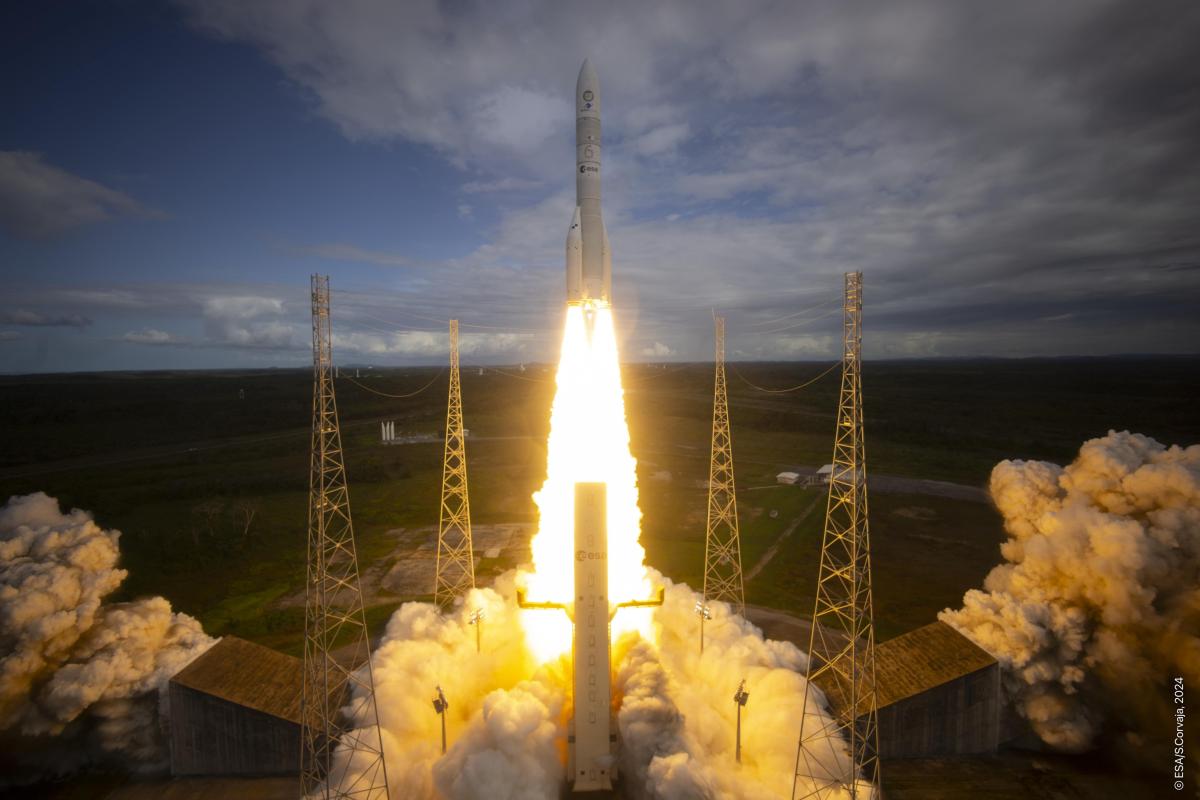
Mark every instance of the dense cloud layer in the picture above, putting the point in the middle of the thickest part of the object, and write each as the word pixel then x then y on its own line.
pixel 1014 178
pixel 1096 607
pixel 1008 175
pixel 69 662
pixel 508 716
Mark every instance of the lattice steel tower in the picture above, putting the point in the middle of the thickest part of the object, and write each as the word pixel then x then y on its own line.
pixel 455 559
pixel 334 621
pixel 722 546
pixel 843 753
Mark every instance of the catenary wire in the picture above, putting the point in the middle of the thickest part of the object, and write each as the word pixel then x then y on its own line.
pixel 396 396
pixel 796 388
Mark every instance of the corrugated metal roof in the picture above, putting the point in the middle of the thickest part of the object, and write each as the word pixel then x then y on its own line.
pixel 922 659
pixel 249 675
pixel 916 662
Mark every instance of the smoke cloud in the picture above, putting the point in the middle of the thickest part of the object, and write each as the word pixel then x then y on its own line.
pixel 72 664
pixel 678 719
pixel 508 715
pixel 1096 605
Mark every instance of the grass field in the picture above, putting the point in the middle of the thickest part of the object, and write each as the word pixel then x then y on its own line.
pixel 209 487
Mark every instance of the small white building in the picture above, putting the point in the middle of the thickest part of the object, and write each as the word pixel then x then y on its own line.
pixel 823 475
pixel 787 478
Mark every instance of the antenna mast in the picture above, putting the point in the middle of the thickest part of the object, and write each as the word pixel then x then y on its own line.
pixel 841 647
pixel 334 619
pixel 455 559
pixel 722 547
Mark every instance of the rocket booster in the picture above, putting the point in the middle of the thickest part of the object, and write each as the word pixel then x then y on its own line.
pixel 589 260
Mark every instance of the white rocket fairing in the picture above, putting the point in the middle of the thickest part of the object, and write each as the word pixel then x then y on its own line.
pixel 589 260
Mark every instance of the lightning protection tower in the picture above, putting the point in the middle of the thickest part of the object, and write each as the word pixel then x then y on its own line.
pixel 455 559
pixel 334 621
pixel 722 547
pixel 842 754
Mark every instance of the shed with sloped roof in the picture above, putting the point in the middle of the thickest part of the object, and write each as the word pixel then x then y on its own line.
pixel 938 694
pixel 235 710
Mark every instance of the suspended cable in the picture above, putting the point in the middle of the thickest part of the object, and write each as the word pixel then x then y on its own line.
pixel 801 323
pixel 399 324
pixel 369 326
pixel 508 329
pixel 396 396
pixel 831 368
pixel 402 326
pixel 830 299
pixel 516 375
pixel 658 374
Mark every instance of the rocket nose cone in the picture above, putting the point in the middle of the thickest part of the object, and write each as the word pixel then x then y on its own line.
pixel 587 79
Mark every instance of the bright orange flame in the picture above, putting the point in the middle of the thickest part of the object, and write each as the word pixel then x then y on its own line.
pixel 589 441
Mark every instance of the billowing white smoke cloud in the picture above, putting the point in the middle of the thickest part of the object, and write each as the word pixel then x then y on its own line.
pixel 508 716
pixel 68 661
pixel 1097 605
pixel 505 721
pixel 678 717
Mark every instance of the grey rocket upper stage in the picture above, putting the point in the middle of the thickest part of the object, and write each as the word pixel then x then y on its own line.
pixel 589 260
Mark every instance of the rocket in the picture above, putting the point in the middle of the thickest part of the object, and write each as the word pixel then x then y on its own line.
pixel 591 765
pixel 591 735
pixel 589 259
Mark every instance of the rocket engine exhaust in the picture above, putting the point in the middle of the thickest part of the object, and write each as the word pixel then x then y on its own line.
pixel 592 761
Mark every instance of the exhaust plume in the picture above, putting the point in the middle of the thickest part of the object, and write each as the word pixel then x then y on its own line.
pixel 72 664
pixel 1096 606
pixel 677 715
pixel 508 715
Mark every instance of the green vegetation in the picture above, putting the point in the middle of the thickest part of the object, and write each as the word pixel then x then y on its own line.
pixel 209 488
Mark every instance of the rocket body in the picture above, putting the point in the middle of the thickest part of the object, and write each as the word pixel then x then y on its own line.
pixel 589 261
pixel 592 765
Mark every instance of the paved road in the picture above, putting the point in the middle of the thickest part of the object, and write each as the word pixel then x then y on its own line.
pixel 784 627
pixel 174 450
pixel 891 484
pixel 894 484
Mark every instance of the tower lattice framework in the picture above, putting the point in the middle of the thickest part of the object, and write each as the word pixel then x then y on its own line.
pixel 842 752
pixel 455 558
pixel 337 651
pixel 722 547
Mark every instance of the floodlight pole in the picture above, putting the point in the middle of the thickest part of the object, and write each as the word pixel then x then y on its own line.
pixel 477 620
pixel 740 697
pixel 440 704
pixel 704 612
